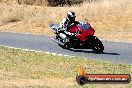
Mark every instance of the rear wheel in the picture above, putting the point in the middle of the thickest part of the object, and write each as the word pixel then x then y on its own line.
pixel 97 46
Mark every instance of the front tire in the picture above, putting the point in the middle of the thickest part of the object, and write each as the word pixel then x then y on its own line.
pixel 97 46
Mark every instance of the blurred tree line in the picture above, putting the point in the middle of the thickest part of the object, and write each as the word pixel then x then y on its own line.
pixel 52 2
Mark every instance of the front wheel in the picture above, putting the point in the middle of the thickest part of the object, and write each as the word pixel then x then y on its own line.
pixel 97 46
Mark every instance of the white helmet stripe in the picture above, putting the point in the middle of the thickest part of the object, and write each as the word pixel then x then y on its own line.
pixel 71 14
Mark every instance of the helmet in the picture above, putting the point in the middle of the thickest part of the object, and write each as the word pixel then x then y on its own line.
pixel 71 16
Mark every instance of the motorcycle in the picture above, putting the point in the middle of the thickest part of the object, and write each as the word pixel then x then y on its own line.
pixel 83 37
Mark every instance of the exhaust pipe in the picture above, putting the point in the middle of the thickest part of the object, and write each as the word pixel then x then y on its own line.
pixel 55 40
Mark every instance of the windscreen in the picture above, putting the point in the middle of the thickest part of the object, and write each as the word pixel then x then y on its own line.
pixel 84 26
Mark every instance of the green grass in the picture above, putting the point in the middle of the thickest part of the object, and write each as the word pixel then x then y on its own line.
pixel 21 65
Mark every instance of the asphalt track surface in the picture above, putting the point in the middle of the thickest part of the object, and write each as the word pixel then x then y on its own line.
pixel 114 51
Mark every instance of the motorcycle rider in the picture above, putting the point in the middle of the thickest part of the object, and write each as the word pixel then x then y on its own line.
pixel 67 22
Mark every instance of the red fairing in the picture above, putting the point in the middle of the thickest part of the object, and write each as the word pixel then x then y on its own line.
pixel 83 33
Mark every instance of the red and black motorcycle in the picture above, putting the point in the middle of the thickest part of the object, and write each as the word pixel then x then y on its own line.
pixel 83 39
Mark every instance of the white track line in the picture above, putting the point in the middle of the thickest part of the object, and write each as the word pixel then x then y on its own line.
pixel 55 54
